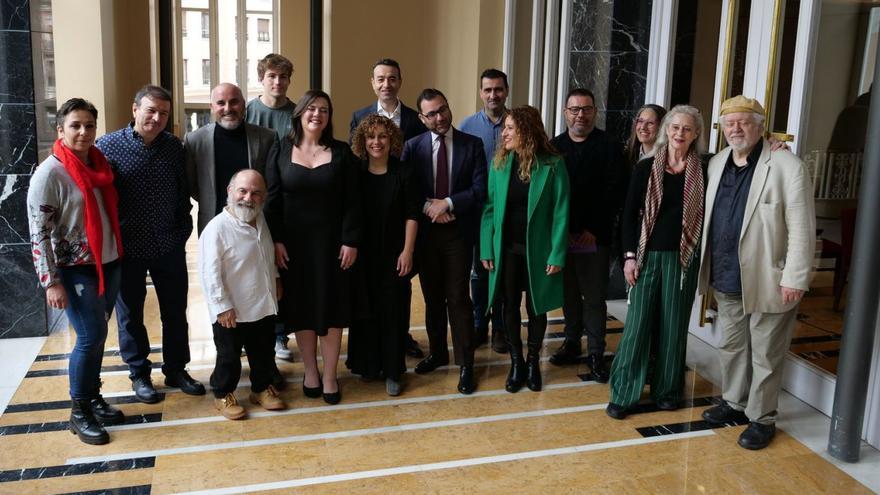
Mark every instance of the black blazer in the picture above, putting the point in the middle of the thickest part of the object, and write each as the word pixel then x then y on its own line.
pixel 467 183
pixel 409 121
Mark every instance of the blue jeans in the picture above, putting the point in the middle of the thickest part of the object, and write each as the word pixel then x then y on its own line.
pixel 169 277
pixel 88 314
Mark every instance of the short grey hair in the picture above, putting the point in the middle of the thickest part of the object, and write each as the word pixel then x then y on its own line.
pixel 245 171
pixel 699 143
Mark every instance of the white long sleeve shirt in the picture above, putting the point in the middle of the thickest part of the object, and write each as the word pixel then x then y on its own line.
pixel 237 268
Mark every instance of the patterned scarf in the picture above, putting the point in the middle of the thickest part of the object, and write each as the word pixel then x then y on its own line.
pixel 692 204
pixel 87 178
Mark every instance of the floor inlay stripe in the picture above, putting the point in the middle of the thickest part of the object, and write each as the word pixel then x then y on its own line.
pixel 122 490
pixel 676 428
pixel 107 353
pixel 434 466
pixel 65 404
pixel 133 419
pixel 124 464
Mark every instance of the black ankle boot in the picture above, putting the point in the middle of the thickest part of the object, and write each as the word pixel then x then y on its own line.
pixel 84 424
pixel 533 372
pixel 105 413
pixel 517 375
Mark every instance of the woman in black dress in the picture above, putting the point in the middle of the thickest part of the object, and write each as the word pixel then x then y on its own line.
pixel 313 211
pixel 390 202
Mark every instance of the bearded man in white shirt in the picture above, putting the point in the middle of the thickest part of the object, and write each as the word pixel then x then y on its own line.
pixel 241 286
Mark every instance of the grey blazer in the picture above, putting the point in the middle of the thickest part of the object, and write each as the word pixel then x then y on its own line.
pixel 199 148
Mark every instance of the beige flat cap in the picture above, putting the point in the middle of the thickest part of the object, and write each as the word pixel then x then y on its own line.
pixel 741 104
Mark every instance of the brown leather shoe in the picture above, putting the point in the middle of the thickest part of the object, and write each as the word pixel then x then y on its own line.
pixel 269 399
pixel 229 407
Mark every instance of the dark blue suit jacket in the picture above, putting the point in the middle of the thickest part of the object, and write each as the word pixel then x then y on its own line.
pixel 467 184
pixel 409 121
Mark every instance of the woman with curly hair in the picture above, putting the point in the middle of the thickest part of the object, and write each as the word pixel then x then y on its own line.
pixel 524 236
pixel 391 206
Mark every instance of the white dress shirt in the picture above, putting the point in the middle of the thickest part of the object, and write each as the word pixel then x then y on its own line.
pixel 237 268
pixel 393 115
pixel 435 147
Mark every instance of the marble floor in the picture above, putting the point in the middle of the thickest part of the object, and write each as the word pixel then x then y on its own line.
pixel 429 439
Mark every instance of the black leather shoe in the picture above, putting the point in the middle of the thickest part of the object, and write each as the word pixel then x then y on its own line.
pixel 723 413
pixel 412 348
pixel 466 383
pixel 143 390
pixel 431 363
pixel 499 342
pixel 105 413
pixel 186 384
pixel 756 436
pixel 616 411
pixel 313 392
pixel 567 353
pixel 668 405
pixel 84 424
pixel 333 398
pixel 598 370
pixel 516 377
pixel 533 373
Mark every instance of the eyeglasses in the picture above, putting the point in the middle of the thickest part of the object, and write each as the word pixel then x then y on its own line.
pixel 576 110
pixel 433 114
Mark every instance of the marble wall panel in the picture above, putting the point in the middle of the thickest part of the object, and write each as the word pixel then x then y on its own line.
pixel 23 312
pixel 17 84
pixel 13 217
pixel 14 15
pixel 18 140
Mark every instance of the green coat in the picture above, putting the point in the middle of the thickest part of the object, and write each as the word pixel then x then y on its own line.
pixel 546 229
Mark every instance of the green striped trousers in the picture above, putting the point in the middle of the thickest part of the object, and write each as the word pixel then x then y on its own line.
pixel 658 297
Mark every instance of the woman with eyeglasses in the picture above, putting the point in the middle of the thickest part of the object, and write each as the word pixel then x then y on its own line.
pixel 662 223
pixel 313 212
pixel 641 140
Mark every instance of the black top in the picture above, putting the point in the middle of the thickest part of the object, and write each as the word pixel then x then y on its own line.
pixel 666 235
pixel 230 156
pixel 517 209
pixel 727 219
pixel 597 173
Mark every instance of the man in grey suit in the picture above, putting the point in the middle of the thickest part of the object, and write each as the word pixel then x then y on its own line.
pixel 215 152
pixel 759 238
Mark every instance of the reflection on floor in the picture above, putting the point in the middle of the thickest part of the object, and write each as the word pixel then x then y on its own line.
pixel 817 333
pixel 430 439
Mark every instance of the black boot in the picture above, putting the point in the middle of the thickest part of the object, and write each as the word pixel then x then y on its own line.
pixel 533 372
pixel 598 370
pixel 84 424
pixel 105 413
pixel 517 375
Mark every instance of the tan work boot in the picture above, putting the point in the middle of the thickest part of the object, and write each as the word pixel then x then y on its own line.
pixel 229 407
pixel 268 399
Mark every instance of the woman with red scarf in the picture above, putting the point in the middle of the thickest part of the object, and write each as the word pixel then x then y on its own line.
pixel 76 246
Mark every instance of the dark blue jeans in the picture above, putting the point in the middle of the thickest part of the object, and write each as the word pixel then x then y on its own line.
pixel 169 276
pixel 88 313
pixel 480 295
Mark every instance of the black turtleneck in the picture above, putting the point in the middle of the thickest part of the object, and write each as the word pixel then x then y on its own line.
pixel 230 156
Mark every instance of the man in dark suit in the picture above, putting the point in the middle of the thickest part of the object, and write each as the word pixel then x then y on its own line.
pixel 386 81
pixel 450 170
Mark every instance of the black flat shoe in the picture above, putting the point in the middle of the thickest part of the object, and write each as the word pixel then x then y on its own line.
pixel 668 405
pixel 313 392
pixel 431 363
pixel 723 413
pixel 756 436
pixel 333 398
pixel 466 382
pixel 616 411
pixel 567 353
pixel 186 384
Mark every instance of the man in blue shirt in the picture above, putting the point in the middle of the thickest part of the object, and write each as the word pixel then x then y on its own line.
pixel 154 217
pixel 487 124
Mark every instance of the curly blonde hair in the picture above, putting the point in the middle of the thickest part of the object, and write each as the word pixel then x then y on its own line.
pixel 533 141
pixel 368 126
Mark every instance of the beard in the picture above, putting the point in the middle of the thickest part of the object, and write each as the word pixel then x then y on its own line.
pixel 242 210
pixel 229 125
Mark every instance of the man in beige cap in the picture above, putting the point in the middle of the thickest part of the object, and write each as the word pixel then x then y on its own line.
pixel 758 242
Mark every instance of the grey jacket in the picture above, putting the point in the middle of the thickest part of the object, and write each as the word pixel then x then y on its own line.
pixel 199 148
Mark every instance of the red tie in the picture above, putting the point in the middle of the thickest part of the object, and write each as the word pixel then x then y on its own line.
pixel 441 184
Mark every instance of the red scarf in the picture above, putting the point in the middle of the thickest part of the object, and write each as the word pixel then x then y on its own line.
pixel 87 178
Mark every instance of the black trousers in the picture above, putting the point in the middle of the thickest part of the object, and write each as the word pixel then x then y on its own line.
pixel 585 288
pixel 515 280
pixel 444 273
pixel 258 340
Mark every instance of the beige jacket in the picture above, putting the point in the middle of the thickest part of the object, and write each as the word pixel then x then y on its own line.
pixel 778 237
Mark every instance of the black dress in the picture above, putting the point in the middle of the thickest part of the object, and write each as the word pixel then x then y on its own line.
pixel 314 212
pixel 377 342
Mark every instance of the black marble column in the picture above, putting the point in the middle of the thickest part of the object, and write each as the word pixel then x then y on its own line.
pixel 609 56
pixel 27 107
